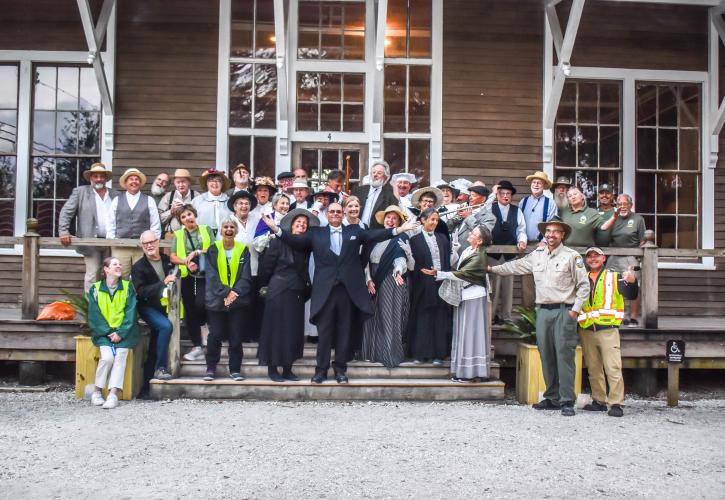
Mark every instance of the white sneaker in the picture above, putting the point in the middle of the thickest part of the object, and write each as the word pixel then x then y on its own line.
pixel 195 354
pixel 111 402
pixel 97 399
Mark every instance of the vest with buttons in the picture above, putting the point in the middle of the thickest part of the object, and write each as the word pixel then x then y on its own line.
pixel 131 223
pixel 505 235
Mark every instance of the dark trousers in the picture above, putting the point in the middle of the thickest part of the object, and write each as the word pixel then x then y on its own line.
pixel 333 327
pixel 225 325
pixel 158 342
pixel 192 295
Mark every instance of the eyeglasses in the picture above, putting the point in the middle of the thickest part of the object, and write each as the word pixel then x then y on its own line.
pixel 334 211
pixel 147 243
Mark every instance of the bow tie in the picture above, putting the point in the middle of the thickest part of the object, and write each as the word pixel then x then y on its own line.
pixel 335 230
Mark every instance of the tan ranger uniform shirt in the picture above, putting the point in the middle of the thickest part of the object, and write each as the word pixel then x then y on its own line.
pixel 559 274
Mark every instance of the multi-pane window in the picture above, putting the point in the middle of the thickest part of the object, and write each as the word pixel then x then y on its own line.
pixel 330 101
pixel 407 92
pixel 253 86
pixel 8 146
pixel 588 136
pixel 331 30
pixel 668 166
pixel 66 133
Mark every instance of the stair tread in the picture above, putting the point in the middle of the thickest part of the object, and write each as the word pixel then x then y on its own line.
pixel 355 382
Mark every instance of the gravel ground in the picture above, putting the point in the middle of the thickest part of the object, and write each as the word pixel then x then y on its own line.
pixel 52 446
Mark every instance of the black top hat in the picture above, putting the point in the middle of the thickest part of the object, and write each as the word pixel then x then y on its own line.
pixel 241 194
pixel 504 184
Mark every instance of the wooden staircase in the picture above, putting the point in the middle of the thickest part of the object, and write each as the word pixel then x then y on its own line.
pixel 368 382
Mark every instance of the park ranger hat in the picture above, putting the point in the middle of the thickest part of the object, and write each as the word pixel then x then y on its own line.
pixel 558 221
pixel 128 173
pixel 562 181
pixel 96 168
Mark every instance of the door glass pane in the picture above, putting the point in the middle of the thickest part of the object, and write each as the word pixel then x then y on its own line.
pixel 395 154
pixel 242 28
pixel 419 99
pixel 420 28
pixel 419 160
pixel 239 151
pixel 309 161
pixel 264 29
pixel 396 28
pixel 264 157
pixel 395 82
pixel 265 103
pixel 240 97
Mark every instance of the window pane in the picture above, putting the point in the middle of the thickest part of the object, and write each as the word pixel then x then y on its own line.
pixel 8 130
pixel 66 133
pixel 419 160
pixel 609 108
pixel 395 154
pixel 308 15
pixel 242 28
pixel 354 87
pixel 264 156
pixel 687 236
pixel 330 117
pixel 7 217
pixel 44 96
pixel 587 182
pixel 43 177
pixel 264 33
pixel 352 118
pixel 396 28
pixel 567 106
pixel 644 197
pixel 689 106
pixel 688 194
pixel 354 45
pixel 66 177
pixel 419 99
pixel 689 149
pixel 331 46
pixel 566 146
pixel 308 45
pixel 239 151
pixel 588 147
pixel 7 176
pixel 667 149
pixel 44 211
pixel 306 116
pixel 646 148
pixel 395 81
pixel 90 97
pixel 265 104
pixel 587 104
pixel 307 87
pixel 89 133
pixel 240 96
pixel 609 153
pixel 667 231
pixel 667 193
pixel 8 87
pixel 420 28
pixel 330 87
pixel 646 105
pixel 68 88
pixel 667 104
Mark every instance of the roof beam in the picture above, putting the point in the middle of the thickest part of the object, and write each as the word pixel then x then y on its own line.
pixel 564 67
pixel 94 47
pixel 282 97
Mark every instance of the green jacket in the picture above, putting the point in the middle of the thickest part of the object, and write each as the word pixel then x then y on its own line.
pixel 128 331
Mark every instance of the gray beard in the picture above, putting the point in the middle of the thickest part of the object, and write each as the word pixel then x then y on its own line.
pixel 377 184
pixel 100 185
pixel 157 190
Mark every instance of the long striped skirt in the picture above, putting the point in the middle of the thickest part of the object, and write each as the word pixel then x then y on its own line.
pixel 383 333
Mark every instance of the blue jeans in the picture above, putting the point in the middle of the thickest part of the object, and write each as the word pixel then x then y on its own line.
pixel 159 341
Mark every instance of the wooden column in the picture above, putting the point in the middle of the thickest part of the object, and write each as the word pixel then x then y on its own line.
pixel 649 285
pixel 31 264
pixel 174 361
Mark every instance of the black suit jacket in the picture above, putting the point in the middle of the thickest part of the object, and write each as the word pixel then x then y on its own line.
pixel 331 269
pixel 283 268
pixel 424 288
pixel 385 199
pixel 147 283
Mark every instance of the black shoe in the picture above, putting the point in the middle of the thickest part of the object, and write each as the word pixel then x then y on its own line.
pixel 276 377
pixel 288 375
pixel 595 406
pixel 497 320
pixel 318 378
pixel 341 378
pixel 567 410
pixel 615 411
pixel 312 340
pixel 633 323
pixel 545 404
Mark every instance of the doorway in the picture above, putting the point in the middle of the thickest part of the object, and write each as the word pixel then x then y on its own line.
pixel 319 158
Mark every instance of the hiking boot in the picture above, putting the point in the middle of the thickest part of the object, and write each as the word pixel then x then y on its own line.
pixel 545 404
pixel 615 411
pixel 595 406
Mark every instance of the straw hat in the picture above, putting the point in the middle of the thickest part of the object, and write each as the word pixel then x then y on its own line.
pixel 300 184
pixel 128 173
pixel 380 216
pixel 226 184
pixel 96 168
pixel 429 190
pixel 541 176
pixel 182 173
pixel 555 220
pixel 286 222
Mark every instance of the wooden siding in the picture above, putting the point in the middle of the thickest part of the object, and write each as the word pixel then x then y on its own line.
pixel 55 273
pixel 166 86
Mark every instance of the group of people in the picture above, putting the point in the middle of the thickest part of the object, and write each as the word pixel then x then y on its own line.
pixel 385 273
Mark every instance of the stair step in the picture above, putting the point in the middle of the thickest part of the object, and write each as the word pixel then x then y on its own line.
pixel 393 389
pixel 305 368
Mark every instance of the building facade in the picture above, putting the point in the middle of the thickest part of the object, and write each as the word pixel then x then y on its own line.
pixel 622 92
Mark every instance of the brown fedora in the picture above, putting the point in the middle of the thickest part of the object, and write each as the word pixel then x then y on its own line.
pixel 96 168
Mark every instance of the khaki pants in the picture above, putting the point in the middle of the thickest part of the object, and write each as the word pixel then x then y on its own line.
pixel 128 257
pixel 94 265
pixel 603 357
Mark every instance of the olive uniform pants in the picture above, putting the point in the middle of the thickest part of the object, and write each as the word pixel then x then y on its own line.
pixel 556 337
pixel 603 357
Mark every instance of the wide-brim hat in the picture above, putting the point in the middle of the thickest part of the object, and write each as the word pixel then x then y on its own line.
pixel 428 190
pixel 300 184
pixel 380 216
pixel 243 193
pixel 562 180
pixel 226 183
pixel 461 185
pixel 441 184
pixel 182 173
pixel 240 166
pixel 286 222
pixel 505 184
pixel 128 173
pixel 541 176
pixel 330 194
pixel 264 182
pixel 555 220
pixel 97 168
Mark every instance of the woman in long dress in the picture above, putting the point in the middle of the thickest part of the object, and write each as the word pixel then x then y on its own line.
pixel 471 347
pixel 390 260
pixel 429 326
pixel 284 271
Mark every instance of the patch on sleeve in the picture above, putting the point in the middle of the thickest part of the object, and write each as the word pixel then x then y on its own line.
pixel 580 262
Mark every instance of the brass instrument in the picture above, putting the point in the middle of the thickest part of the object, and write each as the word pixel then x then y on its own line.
pixel 464 206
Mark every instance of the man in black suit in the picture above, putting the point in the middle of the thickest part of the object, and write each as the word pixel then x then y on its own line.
pixel 339 286
pixel 377 196
pixel 150 275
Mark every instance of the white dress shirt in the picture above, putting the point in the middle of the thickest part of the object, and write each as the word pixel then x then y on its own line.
pixel 103 210
pixel 370 204
pixel 520 222
pixel 132 200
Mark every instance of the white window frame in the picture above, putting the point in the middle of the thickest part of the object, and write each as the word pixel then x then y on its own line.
pixel 288 128
pixel 26 60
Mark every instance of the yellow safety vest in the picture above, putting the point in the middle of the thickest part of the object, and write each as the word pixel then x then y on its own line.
pixel 181 245
pixel 221 261
pixel 606 305
pixel 113 309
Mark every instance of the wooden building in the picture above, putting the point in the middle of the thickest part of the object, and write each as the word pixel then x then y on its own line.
pixel 621 91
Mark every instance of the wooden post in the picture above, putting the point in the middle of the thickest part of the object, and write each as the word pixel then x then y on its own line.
pixel 31 264
pixel 174 361
pixel 650 280
pixel 673 383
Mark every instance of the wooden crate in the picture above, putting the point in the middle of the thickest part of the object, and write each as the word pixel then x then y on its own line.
pixel 529 377
pixel 87 356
